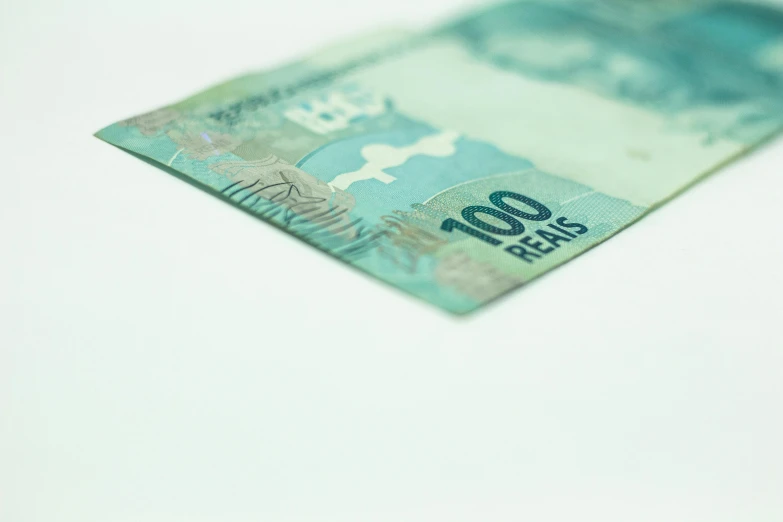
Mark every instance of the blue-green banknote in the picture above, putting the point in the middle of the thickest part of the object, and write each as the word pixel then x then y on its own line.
pixel 464 162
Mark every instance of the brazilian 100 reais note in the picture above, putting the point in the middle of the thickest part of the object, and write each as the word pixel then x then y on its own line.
pixel 462 163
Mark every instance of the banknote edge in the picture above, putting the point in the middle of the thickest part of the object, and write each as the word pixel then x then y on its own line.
pixel 411 39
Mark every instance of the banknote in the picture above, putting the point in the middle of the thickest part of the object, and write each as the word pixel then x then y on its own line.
pixel 460 163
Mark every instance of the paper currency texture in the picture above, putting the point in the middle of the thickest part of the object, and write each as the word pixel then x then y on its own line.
pixel 460 164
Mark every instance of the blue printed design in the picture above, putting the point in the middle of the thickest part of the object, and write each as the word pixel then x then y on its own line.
pixel 416 179
pixel 671 68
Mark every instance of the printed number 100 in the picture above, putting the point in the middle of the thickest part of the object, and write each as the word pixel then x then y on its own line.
pixel 505 213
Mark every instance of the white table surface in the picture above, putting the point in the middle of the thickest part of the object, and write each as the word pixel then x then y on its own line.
pixel 164 357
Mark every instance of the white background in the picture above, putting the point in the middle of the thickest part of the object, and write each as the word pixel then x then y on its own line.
pixel 164 357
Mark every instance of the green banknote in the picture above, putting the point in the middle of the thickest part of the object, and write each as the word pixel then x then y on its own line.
pixel 461 163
